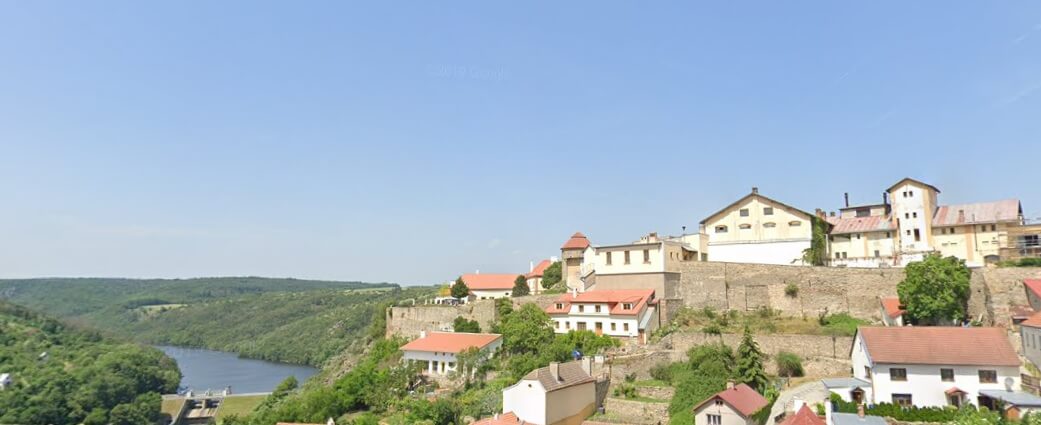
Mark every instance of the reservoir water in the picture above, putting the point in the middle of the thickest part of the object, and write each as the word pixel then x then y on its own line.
pixel 213 370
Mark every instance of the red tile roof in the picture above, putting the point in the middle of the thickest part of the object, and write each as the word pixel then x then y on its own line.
pixel 577 241
pixel 489 281
pixel 741 397
pixel 875 223
pixel 1034 321
pixel 508 418
pixel 939 345
pixel 539 269
pixel 892 307
pixel 613 298
pixel 1033 285
pixel 805 416
pixel 983 212
pixel 450 342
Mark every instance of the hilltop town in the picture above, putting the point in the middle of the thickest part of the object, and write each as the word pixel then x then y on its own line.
pixel 767 314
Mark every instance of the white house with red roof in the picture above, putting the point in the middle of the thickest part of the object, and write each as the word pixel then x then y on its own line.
pixel 733 406
pixel 534 277
pixel 438 350
pixel 623 313
pixel 934 366
pixel 486 286
pixel 892 311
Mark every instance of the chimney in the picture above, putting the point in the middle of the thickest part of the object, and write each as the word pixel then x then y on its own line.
pixel 730 385
pixel 554 371
pixel 755 190
pixel 860 410
pixel 846 195
pixel 961 216
pixel 574 292
pixel 422 334
pixel 797 404
pixel 495 416
pixel 531 266
pixel 827 413
pixel 885 198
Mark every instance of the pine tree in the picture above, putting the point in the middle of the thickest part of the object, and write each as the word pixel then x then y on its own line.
pixel 750 368
pixel 459 289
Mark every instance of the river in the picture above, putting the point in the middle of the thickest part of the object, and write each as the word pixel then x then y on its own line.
pixel 213 370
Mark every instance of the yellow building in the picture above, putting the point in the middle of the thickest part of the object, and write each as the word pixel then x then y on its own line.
pixel 757 229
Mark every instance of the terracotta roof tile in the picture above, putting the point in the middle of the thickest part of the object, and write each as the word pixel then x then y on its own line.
pixel 892 307
pixel 615 299
pixel 1034 286
pixel 450 342
pixel 1034 321
pixel 939 345
pixel 577 241
pixel 875 223
pixel 539 269
pixel 571 374
pixel 983 212
pixel 805 416
pixel 508 418
pixel 489 280
pixel 741 397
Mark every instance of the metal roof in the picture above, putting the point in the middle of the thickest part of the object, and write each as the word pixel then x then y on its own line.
pixel 981 212
pixel 844 383
pixel 875 223
pixel 854 419
pixel 1016 398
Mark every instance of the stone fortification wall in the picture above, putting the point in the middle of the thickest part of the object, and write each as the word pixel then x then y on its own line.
pixel 410 321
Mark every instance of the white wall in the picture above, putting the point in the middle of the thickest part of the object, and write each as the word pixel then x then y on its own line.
pixel 441 363
pixel 727 414
pixel 481 294
pixel 560 327
pixel 1031 341
pixel 783 252
pixel 913 212
pixel 923 381
pixel 526 399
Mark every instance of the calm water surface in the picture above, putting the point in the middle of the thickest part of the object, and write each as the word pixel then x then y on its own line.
pixel 213 370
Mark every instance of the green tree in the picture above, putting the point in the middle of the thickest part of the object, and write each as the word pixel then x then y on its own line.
pixel 817 253
pixel 526 330
pixel 459 289
pixel 551 276
pixel 750 368
pixel 935 290
pixel 520 286
pixel 460 324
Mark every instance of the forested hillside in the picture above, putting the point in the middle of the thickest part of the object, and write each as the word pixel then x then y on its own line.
pixel 63 375
pixel 288 320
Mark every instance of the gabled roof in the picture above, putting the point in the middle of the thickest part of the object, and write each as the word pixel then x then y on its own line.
pixel 489 280
pixel 539 269
pixel 741 397
pixel 910 180
pixel 755 194
pixel 613 298
pixel 1034 286
pixel 577 241
pixel 875 223
pixel 805 416
pixel 508 418
pixel 892 307
pixel 1034 321
pixel 939 345
pixel 980 212
pixel 571 374
pixel 450 342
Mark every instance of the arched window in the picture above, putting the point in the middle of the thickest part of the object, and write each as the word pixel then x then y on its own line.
pixel 770 225
pixel 794 223
pixel 744 226
pixel 721 229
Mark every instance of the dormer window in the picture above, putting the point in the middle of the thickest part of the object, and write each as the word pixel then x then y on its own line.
pixel 627 306
pixel 560 306
pixel 721 229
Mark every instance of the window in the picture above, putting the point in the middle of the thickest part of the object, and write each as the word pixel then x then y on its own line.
pixel 910 194
pixel 627 306
pixel 558 324
pixel 745 226
pixel 867 373
pixel 609 258
pixel 947 375
pixel 888 235
pixel 954 230
pixel 719 402
pixel 988 377
pixel 560 306
pixel 897 374
pixel 858 236
pixel 983 228
pixel 626 257
pixel 721 229
pixel 908 234
pixel 917 236
pixel 902 400
pixel 770 225
pixel 581 309
pixel 647 256
pixel 567 325
pixel 794 223
pixel 596 308
pixel 914 214
pixel 907 215
pixel 877 254
pixel 714 419
pixel 625 327
pixel 838 255
pixel 844 255
pixel 744 212
pixel 768 211
pixel 993 227
pixel 614 326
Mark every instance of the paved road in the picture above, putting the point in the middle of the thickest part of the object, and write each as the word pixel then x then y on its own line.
pixel 810 392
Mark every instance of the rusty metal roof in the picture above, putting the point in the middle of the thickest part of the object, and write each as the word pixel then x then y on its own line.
pixel 875 223
pixel 982 212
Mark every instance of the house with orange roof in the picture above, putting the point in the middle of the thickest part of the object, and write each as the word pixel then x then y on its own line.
pixel 572 254
pixel 438 351
pixel 486 286
pixel 892 311
pixel 803 415
pixel 622 313
pixel 507 418
pixel 934 366
pixel 735 405
pixel 534 276
pixel 1030 338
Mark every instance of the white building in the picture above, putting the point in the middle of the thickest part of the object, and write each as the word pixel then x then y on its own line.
pixel 559 394
pixel 891 310
pixel 851 390
pixel 488 286
pixel 5 380
pixel 623 313
pixel 438 350
pixel 733 406
pixel 1030 337
pixel 534 276
pixel 757 229
pixel 934 366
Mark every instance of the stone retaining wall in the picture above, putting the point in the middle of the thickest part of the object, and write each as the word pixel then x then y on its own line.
pixel 637 412
pixel 409 321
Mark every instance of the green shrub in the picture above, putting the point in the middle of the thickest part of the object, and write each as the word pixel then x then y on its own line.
pixel 789 364
pixel 841 324
pixel 662 371
pixel 626 390
pixel 909 414
pixel 791 290
pixel 630 378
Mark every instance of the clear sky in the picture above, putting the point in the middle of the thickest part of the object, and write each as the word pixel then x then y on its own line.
pixel 411 142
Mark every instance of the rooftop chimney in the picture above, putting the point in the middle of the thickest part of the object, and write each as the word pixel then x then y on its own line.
pixel 846 195
pixel 961 216
pixel 797 404
pixel 755 190
pixel 860 410
pixel 531 266
pixel 730 385
pixel 554 371
pixel 422 334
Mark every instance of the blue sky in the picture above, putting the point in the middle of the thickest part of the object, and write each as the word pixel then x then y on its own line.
pixel 411 142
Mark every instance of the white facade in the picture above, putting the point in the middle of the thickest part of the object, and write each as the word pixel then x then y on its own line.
pixel 530 401
pixel 759 252
pixel 913 206
pixel 597 317
pixel 924 383
pixel 443 363
pixel 488 294
pixel 1030 337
